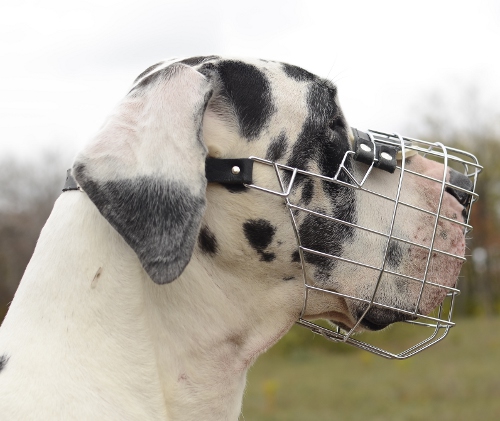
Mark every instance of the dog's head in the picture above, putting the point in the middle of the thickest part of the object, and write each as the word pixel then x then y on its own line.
pixel 145 172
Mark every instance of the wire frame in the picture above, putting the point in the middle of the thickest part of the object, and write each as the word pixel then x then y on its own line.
pixel 438 323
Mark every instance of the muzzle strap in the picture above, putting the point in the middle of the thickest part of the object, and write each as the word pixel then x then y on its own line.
pixel 239 170
pixel 368 151
pixel 225 171
pixel 229 171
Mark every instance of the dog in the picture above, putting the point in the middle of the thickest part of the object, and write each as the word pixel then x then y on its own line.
pixel 151 291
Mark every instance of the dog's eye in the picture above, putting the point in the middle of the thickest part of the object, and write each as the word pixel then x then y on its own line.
pixel 336 123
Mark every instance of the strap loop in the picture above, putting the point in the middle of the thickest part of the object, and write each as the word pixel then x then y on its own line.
pixel 229 171
pixel 368 151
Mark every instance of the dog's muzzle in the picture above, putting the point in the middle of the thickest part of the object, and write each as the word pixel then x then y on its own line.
pixel 377 151
pixel 387 152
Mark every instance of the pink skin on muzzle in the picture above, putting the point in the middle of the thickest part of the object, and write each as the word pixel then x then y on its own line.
pixel 449 237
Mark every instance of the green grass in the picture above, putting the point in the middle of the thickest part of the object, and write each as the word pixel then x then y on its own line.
pixel 457 379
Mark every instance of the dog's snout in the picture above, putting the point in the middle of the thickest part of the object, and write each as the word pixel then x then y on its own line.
pixel 464 183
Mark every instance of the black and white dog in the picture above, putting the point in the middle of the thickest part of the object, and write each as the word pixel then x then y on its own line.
pixel 93 332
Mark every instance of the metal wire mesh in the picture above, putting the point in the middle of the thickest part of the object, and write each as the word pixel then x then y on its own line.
pixel 439 321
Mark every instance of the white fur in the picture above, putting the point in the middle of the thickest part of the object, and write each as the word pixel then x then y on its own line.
pixel 121 347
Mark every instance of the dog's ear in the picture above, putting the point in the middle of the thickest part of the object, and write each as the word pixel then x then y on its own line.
pixel 145 168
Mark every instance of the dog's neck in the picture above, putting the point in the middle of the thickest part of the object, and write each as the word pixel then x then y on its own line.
pixel 123 347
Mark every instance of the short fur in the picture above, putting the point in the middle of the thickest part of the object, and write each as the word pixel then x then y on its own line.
pixel 93 333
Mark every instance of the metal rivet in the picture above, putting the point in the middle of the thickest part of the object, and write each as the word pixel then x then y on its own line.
pixel 235 170
pixel 366 148
pixel 386 156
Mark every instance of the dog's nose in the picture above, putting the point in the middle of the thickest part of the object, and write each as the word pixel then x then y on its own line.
pixel 462 181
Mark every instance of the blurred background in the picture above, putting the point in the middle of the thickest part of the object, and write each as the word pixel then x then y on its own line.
pixel 428 69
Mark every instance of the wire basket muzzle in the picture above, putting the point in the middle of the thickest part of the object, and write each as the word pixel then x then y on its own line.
pixel 404 294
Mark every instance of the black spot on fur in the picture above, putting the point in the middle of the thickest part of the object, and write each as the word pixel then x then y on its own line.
pixel 149 69
pixel 298 73
pixel 247 89
pixel 322 106
pixel 307 191
pixel 277 148
pixel 324 141
pixel 194 61
pixel 259 234
pixel 288 278
pixel 394 254
pixel 317 140
pixel 323 235
pixel 3 361
pixel 402 285
pixel 158 219
pixel 207 241
pixel 267 256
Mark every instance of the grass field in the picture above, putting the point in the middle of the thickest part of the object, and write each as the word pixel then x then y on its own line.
pixel 457 379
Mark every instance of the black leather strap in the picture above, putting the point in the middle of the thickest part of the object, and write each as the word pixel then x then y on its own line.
pixel 229 171
pixel 385 158
pixel 363 147
pixel 226 171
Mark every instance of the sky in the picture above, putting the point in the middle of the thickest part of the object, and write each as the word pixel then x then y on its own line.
pixel 65 64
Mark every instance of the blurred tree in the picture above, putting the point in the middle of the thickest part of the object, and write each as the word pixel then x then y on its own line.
pixel 27 193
